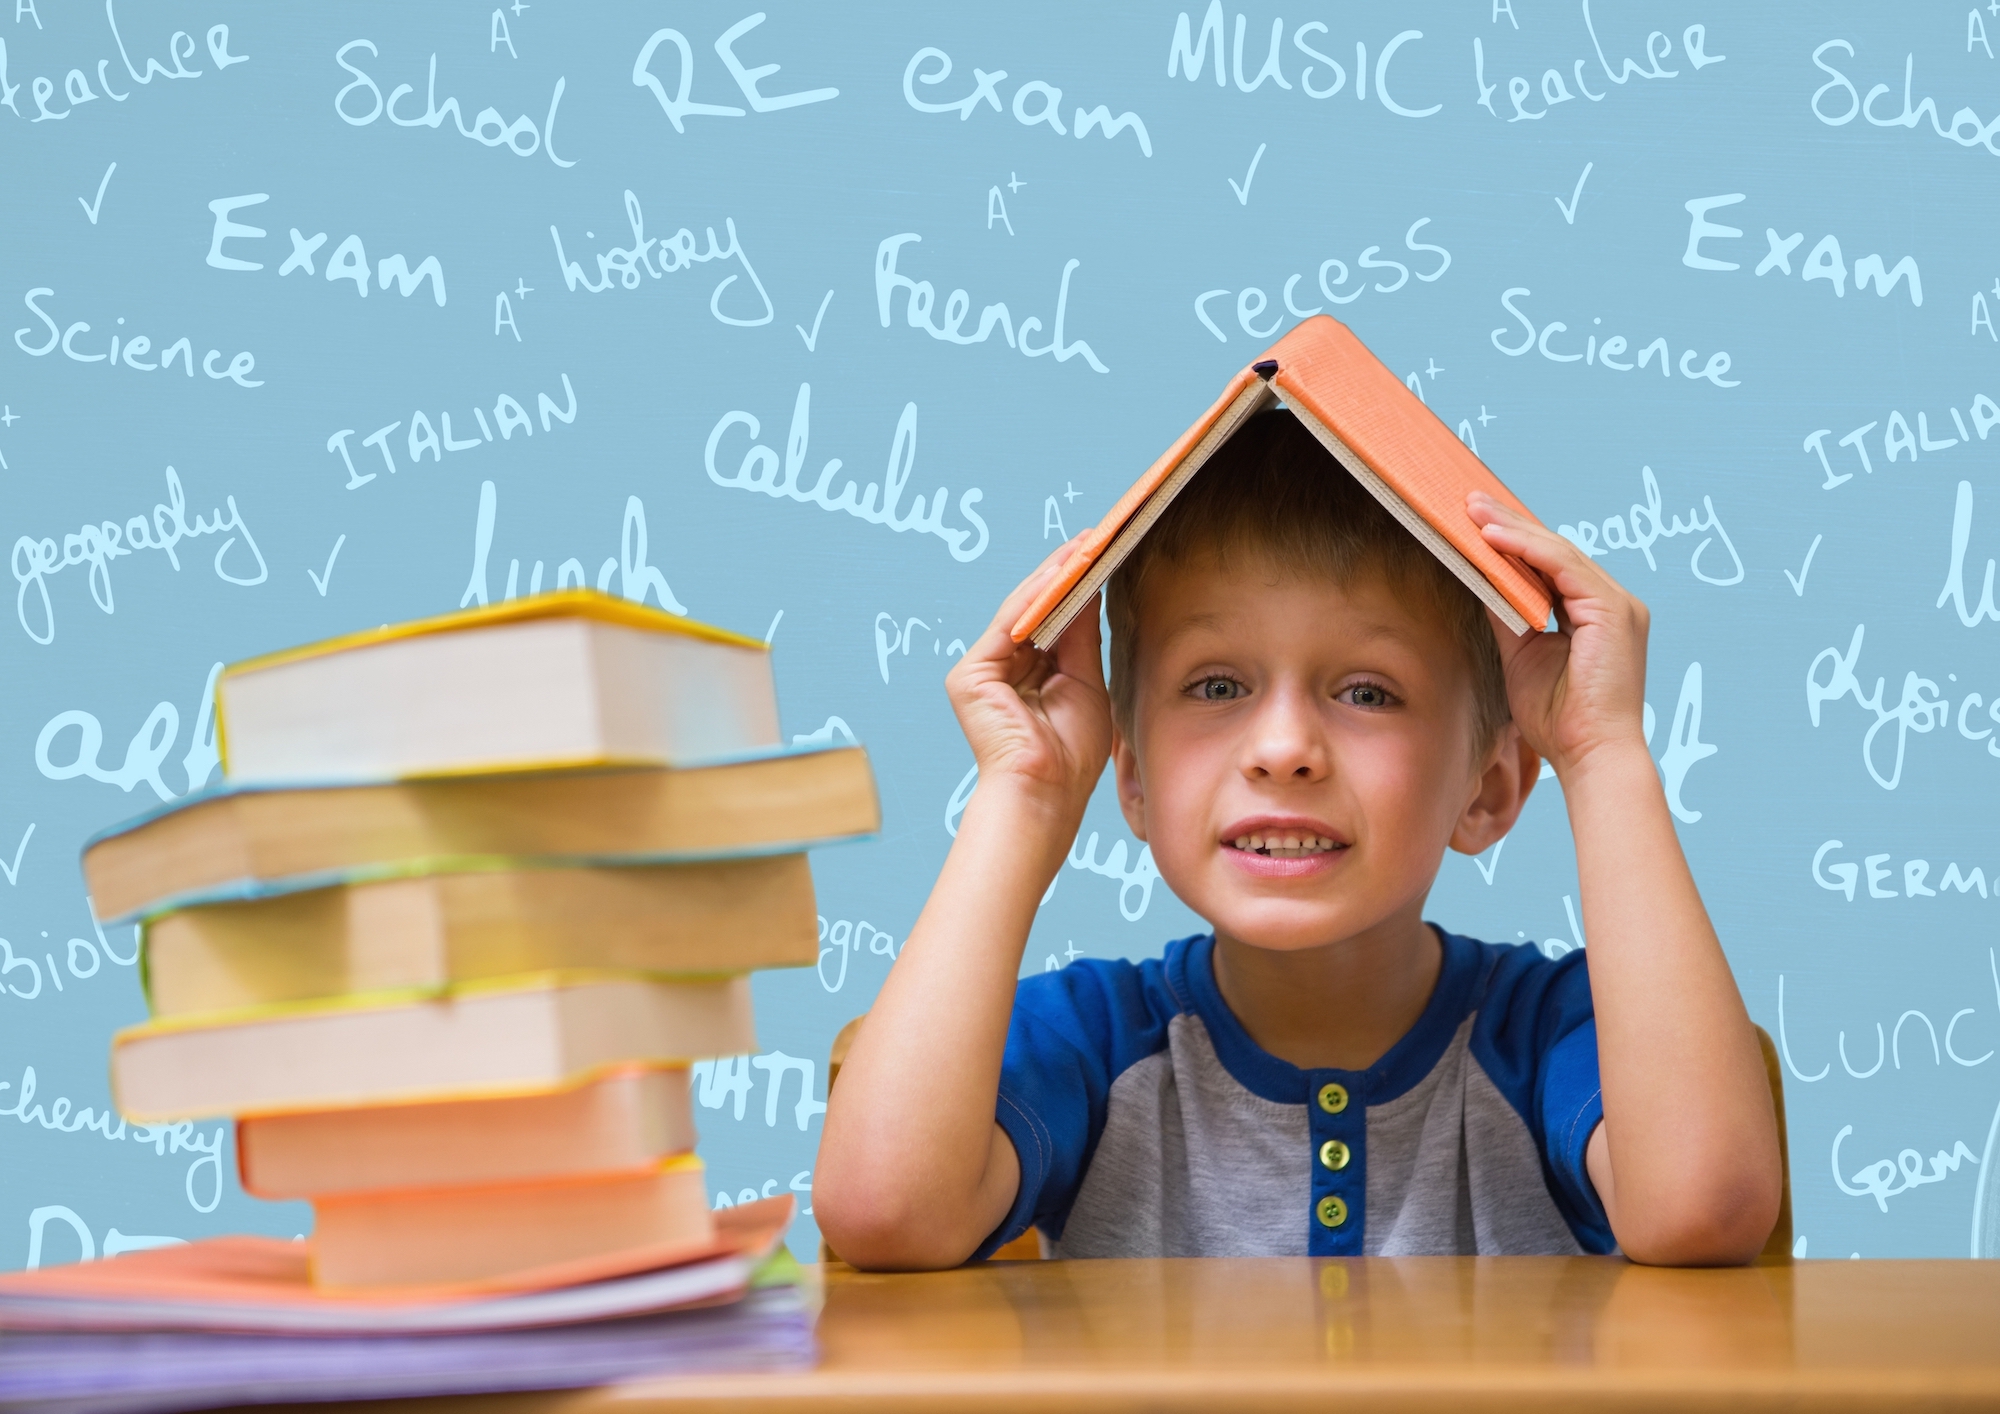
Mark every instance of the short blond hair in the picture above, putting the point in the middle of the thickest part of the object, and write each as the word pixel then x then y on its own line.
pixel 1275 494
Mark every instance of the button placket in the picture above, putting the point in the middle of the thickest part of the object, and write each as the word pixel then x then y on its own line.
pixel 1336 1121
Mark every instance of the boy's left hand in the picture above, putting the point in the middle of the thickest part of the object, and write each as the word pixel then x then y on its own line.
pixel 1582 687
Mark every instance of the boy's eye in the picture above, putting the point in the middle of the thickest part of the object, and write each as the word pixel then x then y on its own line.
pixel 1368 694
pixel 1218 689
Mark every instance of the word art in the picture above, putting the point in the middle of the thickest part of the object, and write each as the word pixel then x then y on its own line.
pixel 1607 354
pixel 145 753
pixel 635 578
pixel 34 561
pixel 1824 262
pixel 1842 875
pixel 1966 128
pixel 1645 526
pixel 1658 48
pixel 1883 1180
pixel 923 298
pixel 519 137
pixel 718 1081
pixel 1188 53
pixel 1898 440
pixel 349 260
pixel 678 108
pixel 76 85
pixel 677 252
pixel 1047 97
pixel 1252 301
pixel 508 416
pixel 134 348
pixel 759 472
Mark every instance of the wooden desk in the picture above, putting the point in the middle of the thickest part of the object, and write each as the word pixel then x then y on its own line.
pixel 1372 1334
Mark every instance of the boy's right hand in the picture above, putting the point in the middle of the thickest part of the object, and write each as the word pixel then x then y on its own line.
pixel 1038 721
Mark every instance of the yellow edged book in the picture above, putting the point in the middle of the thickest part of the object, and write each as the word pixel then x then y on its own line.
pixel 576 677
pixel 506 1038
pixel 439 930
pixel 632 1118
pixel 435 1236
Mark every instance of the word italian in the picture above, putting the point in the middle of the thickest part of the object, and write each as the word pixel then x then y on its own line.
pixel 508 416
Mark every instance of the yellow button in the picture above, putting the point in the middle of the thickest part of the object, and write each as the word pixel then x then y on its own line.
pixel 1332 1211
pixel 1333 1098
pixel 1334 1154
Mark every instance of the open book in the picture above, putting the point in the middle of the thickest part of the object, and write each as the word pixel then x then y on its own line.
pixel 1374 426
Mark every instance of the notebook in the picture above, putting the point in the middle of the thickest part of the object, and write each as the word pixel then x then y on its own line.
pixel 513 1036
pixel 575 677
pixel 436 930
pixel 234 842
pixel 629 1118
pixel 1374 426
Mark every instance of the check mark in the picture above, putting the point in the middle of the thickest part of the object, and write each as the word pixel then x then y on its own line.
pixel 812 339
pixel 1799 580
pixel 1488 870
pixel 1243 192
pixel 13 871
pixel 1569 212
pixel 320 581
pixel 91 208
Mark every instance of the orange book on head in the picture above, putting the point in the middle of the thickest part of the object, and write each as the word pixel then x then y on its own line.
pixel 1374 426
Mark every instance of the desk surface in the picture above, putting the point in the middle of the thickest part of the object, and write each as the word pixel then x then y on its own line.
pixel 1401 1334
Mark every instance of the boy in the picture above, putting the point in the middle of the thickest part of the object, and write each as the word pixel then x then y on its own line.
pixel 1305 709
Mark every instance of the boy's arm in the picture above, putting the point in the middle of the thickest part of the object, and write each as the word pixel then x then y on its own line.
pixel 913 1170
pixel 1686 1158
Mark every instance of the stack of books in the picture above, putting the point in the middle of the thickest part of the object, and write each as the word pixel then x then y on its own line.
pixel 474 894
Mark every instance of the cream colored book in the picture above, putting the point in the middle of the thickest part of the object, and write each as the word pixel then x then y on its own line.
pixel 628 1119
pixel 522 1035
pixel 440 930
pixel 437 1236
pixel 572 678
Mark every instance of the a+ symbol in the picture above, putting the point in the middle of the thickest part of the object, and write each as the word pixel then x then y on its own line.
pixel 1996 283
pixel 11 417
pixel 520 5
pixel 1072 493
pixel 1485 416
pixel 1433 370
pixel 1072 953
pixel 522 289
pixel 1016 184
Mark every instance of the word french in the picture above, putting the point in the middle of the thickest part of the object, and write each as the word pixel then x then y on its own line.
pixel 922 298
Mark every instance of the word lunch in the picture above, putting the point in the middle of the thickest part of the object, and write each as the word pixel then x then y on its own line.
pixel 677 252
pixel 1644 527
pixel 922 299
pixel 1047 98
pixel 76 84
pixel 35 561
pixel 349 260
pixel 508 417
pixel 520 137
pixel 628 569
pixel 1889 1044
pixel 759 472
pixel 1251 302
pixel 1823 262
pixel 1953 592
pixel 749 81
pixel 1606 354
pixel 1898 440
pixel 1841 876
pixel 127 350
pixel 1658 49
pixel 1845 104
pixel 1188 54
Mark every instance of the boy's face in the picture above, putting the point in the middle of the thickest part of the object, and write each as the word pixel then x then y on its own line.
pixel 1302 752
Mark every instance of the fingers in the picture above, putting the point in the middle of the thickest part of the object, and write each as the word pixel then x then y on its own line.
pixel 1015 603
pixel 1079 653
pixel 1574 574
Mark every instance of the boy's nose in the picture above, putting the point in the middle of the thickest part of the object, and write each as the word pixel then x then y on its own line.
pixel 1284 739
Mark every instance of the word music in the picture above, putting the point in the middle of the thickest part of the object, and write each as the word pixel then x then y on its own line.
pixel 1252 301
pixel 1658 48
pixel 1189 53
pixel 135 347
pixel 677 252
pixel 1824 262
pixel 922 299
pixel 759 472
pixel 1645 527
pixel 1898 440
pixel 76 84
pixel 34 561
pixel 508 416
pixel 1606 354
pixel 349 260
pixel 1048 98
pixel 519 137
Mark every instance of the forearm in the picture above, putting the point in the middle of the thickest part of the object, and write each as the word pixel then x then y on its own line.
pixel 912 1171
pixel 1688 1127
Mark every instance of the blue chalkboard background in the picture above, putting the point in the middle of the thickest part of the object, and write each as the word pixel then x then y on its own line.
pixel 477 300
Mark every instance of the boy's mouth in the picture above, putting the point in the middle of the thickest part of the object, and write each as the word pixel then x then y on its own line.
pixel 1285 844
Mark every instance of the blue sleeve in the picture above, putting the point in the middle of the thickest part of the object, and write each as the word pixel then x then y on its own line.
pixel 1536 1038
pixel 1072 1033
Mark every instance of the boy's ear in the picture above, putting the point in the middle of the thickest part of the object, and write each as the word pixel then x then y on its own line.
pixel 1512 768
pixel 1131 792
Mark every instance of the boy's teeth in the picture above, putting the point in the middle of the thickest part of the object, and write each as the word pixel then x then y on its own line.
pixel 1285 846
